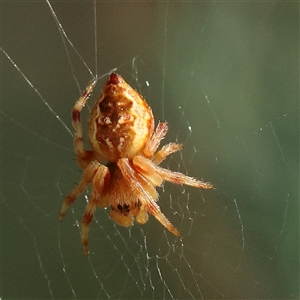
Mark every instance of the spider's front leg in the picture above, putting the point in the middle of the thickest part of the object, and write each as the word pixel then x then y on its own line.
pixel 146 192
pixel 153 172
pixel 100 177
pixel 84 157
pixel 100 197
pixel 87 176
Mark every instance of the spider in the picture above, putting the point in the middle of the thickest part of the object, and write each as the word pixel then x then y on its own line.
pixel 121 134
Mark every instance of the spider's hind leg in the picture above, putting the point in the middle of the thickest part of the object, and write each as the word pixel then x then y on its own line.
pixel 84 157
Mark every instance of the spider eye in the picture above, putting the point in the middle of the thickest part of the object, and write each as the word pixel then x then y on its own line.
pixel 124 209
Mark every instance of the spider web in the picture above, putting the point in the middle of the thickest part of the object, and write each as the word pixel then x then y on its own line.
pixel 225 77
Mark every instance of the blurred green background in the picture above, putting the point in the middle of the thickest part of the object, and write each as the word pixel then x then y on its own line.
pixel 225 75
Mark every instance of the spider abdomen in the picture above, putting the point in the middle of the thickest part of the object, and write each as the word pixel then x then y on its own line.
pixel 121 121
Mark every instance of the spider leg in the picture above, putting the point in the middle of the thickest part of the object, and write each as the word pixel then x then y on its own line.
pixel 155 211
pixel 87 177
pixel 156 138
pixel 101 181
pixel 84 157
pixel 147 168
pixel 151 171
pixel 154 143
pixel 141 184
pixel 166 150
pixel 146 193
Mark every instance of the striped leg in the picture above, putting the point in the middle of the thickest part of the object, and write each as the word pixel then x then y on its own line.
pixel 87 177
pixel 84 157
pixel 99 197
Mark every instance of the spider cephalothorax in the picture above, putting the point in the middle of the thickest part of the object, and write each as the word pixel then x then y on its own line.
pixel 121 132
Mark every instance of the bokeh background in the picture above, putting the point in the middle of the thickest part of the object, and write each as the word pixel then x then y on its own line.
pixel 225 75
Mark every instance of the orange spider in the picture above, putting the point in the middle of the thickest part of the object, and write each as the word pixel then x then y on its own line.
pixel 121 132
